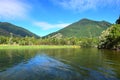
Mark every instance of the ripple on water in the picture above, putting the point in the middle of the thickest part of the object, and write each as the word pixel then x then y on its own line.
pixel 99 73
pixel 41 67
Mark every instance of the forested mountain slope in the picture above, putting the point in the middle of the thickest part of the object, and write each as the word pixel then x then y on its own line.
pixel 7 28
pixel 84 28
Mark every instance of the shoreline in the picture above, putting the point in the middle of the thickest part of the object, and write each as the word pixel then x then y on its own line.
pixel 37 46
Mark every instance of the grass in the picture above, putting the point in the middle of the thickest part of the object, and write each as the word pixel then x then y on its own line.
pixel 37 46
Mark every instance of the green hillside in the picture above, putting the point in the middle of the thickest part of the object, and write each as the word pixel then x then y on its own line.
pixel 84 28
pixel 7 28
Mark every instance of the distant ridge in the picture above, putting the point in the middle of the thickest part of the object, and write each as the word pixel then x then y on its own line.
pixel 84 28
pixel 7 28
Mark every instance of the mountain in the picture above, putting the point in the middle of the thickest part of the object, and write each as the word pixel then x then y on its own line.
pixel 85 28
pixel 7 28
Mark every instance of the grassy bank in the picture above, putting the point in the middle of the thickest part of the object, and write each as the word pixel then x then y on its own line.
pixel 37 47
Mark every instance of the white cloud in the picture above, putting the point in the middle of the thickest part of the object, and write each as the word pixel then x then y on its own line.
pixel 83 5
pixel 47 26
pixel 11 9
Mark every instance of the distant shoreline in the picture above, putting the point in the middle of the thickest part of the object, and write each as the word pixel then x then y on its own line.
pixel 37 46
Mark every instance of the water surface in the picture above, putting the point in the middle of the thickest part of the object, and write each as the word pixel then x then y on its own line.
pixel 59 64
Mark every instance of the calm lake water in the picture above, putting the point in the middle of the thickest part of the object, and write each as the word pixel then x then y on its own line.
pixel 59 64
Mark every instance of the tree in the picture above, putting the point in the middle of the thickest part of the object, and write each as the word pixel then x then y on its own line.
pixel 118 20
pixel 110 39
pixel 11 38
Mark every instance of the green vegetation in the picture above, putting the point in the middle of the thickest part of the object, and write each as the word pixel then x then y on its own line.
pixel 84 28
pixel 7 28
pixel 110 38
pixel 37 47
pixel 83 42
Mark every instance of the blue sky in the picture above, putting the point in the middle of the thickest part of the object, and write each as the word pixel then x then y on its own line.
pixel 45 16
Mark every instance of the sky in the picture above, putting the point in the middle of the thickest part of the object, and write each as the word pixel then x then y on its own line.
pixel 43 17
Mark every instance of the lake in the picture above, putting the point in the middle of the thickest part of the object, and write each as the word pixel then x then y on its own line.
pixel 59 64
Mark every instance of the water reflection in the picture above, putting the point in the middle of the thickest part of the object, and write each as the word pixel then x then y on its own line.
pixel 59 64
pixel 41 67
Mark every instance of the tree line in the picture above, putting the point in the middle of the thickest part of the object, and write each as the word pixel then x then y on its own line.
pixel 83 42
